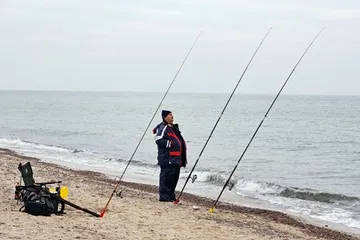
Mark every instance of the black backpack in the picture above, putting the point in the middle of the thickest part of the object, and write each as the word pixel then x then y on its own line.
pixel 37 202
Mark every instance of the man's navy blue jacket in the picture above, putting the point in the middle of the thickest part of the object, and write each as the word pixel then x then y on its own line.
pixel 171 145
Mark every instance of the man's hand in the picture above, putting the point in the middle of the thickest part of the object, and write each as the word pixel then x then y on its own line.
pixel 184 164
pixel 169 144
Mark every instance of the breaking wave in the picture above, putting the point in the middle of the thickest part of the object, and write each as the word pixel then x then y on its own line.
pixel 29 144
pixel 253 188
pixel 133 161
pixel 316 196
pixel 214 178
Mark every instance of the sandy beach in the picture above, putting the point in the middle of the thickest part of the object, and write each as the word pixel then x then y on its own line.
pixel 138 214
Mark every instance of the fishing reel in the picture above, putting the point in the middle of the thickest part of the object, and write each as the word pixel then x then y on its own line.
pixel 193 178
pixel 231 185
pixel 118 193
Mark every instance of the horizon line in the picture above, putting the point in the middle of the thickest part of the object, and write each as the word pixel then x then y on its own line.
pixel 176 92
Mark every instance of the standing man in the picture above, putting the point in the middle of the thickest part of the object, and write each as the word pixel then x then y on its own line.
pixel 171 155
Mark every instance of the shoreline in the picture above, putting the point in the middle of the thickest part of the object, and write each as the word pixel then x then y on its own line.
pixel 187 200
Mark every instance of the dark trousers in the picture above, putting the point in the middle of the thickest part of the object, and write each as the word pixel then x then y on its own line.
pixel 169 177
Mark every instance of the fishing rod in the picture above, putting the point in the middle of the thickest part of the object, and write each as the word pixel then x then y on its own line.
pixel 218 120
pixel 211 210
pixel 128 163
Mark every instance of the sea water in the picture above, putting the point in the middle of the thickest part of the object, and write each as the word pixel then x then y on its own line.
pixel 304 159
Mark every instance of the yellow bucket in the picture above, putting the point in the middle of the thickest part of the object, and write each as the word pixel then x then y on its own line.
pixel 64 191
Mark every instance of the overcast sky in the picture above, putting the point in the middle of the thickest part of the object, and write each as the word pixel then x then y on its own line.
pixel 138 45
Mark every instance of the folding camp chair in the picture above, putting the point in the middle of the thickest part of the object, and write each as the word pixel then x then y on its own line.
pixel 33 189
pixel 28 176
pixel 37 195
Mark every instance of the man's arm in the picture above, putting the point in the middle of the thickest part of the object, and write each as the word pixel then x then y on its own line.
pixel 161 138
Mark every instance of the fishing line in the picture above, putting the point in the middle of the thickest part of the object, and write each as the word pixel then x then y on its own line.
pixel 212 131
pixel 228 180
pixel 128 163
